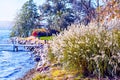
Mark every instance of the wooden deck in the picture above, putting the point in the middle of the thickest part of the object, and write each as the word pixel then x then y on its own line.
pixel 21 45
pixel 15 46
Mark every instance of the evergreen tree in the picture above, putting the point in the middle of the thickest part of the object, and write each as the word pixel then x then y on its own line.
pixel 25 20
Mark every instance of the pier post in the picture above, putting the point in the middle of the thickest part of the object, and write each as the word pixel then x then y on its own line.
pixel 15 48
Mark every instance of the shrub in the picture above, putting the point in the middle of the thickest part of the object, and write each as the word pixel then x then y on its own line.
pixel 40 32
pixel 44 32
pixel 58 73
pixel 53 31
pixel 41 77
pixel 88 50
pixel 35 33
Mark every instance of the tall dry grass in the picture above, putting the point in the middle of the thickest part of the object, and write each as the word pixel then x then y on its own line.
pixel 90 50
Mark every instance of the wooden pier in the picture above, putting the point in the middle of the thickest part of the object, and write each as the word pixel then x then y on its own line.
pixel 15 46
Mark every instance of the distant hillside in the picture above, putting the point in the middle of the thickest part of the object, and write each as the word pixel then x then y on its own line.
pixel 6 24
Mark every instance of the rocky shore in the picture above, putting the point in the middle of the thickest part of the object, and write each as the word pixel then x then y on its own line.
pixel 29 75
pixel 39 52
pixel 45 69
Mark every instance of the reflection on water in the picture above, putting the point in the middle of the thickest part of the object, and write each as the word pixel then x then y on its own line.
pixel 13 65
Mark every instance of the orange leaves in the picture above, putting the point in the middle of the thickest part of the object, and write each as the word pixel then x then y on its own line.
pixel 110 11
pixel 36 31
pixel 40 30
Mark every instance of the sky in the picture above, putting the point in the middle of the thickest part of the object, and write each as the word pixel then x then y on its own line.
pixel 9 8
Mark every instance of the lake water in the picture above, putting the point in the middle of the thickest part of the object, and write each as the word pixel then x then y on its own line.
pixel 13 65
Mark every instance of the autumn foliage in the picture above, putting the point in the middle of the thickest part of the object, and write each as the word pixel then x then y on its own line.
pixel 44 32
pixel 109 11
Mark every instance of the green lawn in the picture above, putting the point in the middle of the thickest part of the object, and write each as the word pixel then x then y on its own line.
pixel 46 38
